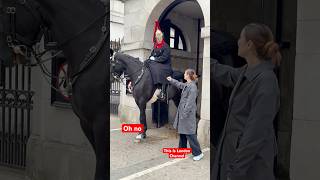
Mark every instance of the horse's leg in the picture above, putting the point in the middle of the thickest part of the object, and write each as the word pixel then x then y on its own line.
pixel 176 97
pixel 143 120
pixel 176 101
pixel 96 132
pixel 174 94
pixel 85 126
pixel 88 131
pixel 90 100
pixel 101 145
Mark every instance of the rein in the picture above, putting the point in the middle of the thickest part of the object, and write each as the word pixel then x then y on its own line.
pixel 93 51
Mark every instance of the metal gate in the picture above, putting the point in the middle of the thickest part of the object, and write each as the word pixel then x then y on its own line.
pixel 115 86
pixel 15 106
pixel 114 97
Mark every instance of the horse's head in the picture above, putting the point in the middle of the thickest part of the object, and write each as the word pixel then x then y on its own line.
pixel 125 64
pixel 117 67
pixel 20 24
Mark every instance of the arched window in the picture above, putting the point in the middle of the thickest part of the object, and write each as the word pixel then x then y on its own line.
pixel 173 35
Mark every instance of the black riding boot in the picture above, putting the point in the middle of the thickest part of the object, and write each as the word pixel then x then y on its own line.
pixel 163 93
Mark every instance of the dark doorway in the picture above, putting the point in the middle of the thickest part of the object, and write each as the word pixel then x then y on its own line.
pixel 181 22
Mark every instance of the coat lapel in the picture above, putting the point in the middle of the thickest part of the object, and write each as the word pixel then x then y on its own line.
pixel 185 87
pixel 236 86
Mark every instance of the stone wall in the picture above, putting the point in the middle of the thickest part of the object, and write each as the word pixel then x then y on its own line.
pixel 116 20
pixel 305 147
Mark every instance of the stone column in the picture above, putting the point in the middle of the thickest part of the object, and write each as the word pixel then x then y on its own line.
pixel 204 123
pixel 305 149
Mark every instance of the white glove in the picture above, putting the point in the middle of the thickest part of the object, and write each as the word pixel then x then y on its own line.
pixel 130 87
pixel 152 58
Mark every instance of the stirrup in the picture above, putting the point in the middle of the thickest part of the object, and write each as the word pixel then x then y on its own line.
pixel 162 96
pixel 69 88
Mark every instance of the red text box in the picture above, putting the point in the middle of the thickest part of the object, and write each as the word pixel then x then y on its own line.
pixel 176 155
pixel 177 150
pixel 132 128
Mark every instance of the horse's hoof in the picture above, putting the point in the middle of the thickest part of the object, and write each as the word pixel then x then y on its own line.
pixel 140 136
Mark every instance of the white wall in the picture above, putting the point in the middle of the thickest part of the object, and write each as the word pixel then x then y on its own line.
pixel 116 19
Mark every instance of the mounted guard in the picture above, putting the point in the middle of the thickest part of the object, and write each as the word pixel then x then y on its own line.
pixel 159 62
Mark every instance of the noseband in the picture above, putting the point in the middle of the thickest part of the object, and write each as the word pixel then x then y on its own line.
pixel 115 75
pixel 18 43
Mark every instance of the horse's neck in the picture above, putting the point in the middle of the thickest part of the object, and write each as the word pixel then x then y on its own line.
pixel 71 9
pixel 67 18
pixel 133 69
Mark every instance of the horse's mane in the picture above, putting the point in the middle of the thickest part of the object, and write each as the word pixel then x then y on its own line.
pixel 137 60
pixel 132 59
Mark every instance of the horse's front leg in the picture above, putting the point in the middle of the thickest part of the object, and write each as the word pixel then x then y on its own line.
pixel 94 125
pixel 101 145
pixel 143 120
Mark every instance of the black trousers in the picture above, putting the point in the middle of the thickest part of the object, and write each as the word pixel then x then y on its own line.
pixel 193 141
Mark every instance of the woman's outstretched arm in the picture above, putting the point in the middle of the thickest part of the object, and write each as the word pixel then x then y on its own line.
pixel 224 74
pixel 176 83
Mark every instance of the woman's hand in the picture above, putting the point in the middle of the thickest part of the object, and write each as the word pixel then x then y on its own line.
pixel 169 78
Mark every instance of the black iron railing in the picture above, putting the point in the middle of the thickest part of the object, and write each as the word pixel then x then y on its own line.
pixel 15 108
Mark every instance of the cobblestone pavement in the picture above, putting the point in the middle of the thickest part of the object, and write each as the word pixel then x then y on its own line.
pixel 145 160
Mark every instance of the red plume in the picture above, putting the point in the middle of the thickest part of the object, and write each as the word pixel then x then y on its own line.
pixel 156 27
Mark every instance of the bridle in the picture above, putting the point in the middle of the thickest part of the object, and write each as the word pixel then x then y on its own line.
pixel 125 76
pixel 21 45
pixel 119 77
pixel 18 43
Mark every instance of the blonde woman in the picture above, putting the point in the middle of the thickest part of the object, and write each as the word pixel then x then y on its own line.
pixel 248 145
pixel 185 120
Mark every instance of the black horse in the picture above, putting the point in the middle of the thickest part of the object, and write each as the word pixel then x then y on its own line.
pixel 143 87
pixel 81 32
